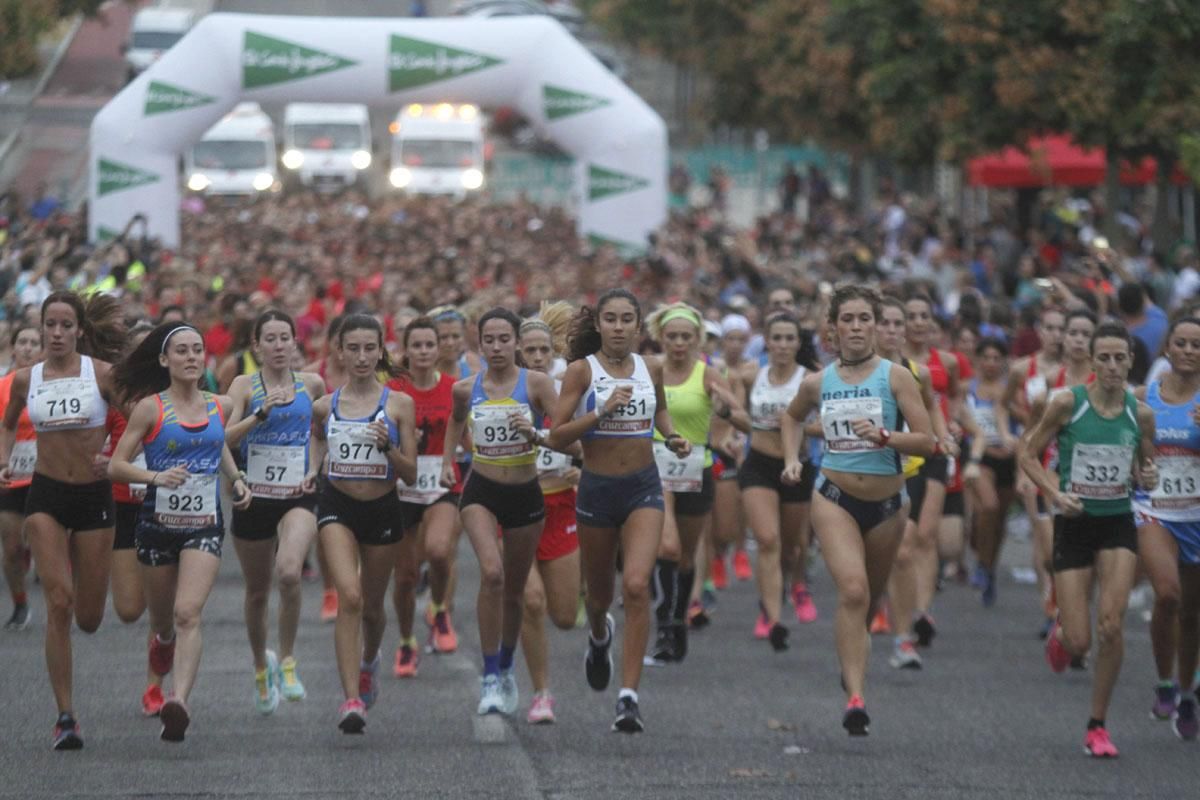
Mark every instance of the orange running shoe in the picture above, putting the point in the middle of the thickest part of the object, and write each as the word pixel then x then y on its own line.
pixel 407 659
pixel 329 605
pixel 720 577
pixel 442 634
pixel 152 700
pixel 741 566
pixel 882 622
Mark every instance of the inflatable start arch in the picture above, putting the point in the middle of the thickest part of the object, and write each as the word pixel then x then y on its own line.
pixel 530 63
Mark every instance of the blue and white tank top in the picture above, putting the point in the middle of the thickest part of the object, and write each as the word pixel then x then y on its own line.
pixel 841 404
pixel 1177 455
pixel 635 419
pixel 984 412
pixel 275 452
pixel 195 504
pixel 353 455
pixel 494 440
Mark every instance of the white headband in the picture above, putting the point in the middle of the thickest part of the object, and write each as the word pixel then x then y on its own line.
pixel 174 331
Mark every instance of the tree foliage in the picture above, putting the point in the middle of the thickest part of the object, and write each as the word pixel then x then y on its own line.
pixel 24 22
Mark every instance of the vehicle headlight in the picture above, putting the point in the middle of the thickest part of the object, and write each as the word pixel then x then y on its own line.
pixel 198 182
pixel 361 159
pixel 472 178
pixel 293 159
pixel 401 177
pixel 263 181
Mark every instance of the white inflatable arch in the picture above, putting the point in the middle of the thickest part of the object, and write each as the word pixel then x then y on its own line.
pixel 529 63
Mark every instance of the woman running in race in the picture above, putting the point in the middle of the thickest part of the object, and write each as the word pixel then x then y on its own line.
pixel 26 351
pixel 613 399
pixel 1105 439
pixel 778 512
pixel 1168 521
pixel 454 357
pixel 553 588
pixel 728 449
pixel 871 413
pixel 694 391
pixel 180 527
pixel 429 510
pixel 271 416
pixel 504 405
pixel 369 434
pixel 69 508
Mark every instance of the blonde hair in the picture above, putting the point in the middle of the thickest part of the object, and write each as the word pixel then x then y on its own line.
pixel 554 319
pixel 664 314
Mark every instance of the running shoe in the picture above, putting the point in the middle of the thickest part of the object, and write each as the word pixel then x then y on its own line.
pixel 66 733
pixel 542 710
pixel 762 626
pixel 778 637
pixel 806 610
pixel 1166 697
pixel 491 697
pixel 881 622
pixel 987 591
pixel 856 721
pixel 597 661
pixel 925 630
pixel 663 651
pixel 978 575
pixel 1097 744
pixel 1079 663
pixel 1184 722
pixel 741 566
pixel 905 656
pixel 175 719
pixel 442 634
pixel 629 718
pixel 720 577
pixel 152 700
pixel 680 632
pixel 162 655
pixel 510 694
pixel 708 596
pixel 19 620
pixel 1047 626
pixel 368 681
pixel 266 695
pixel 407 660
pixel 352 716
pixel 329 605
pixel 697 615
pixel 289 685
pixel 1056 653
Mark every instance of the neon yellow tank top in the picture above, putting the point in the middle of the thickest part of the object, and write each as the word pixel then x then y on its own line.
pixel 912 464
pixel 690 408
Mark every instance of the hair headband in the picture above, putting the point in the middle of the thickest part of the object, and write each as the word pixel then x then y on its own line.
pixel 174 331
pixel 682 313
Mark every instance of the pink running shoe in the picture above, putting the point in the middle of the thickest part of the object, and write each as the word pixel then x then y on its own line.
pixel 352 716
pixel 806 610
pixel 1056 654
pixel 741 566
pixel 541 712
pixel 762 627
pixel 1097 744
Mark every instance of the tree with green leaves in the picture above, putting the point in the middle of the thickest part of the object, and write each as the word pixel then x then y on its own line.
pixel 24 22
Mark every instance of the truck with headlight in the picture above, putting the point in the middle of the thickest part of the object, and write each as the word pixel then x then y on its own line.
pixel 237 156
pixel 327 146
pixel 438 148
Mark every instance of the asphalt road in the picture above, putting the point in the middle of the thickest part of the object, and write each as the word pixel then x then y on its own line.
pixel 984 718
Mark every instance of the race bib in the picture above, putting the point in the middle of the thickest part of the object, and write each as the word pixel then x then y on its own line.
pixel 985 418
pixel 64 403
pixel 353 453
pixel 137 491
pixel 1178 482
pixel 494 434
pixel 680 474
pixel 190 506
pixel 635 417
pixel 1035 388
pixel 552 462
pixel 428 487
pixel 275 471
pixel 1101 471
pixel 22 459
pixel 767 406
pixel 838 416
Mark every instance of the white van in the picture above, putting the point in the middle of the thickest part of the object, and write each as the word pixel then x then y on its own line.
pixel 153 32
pixel 437 149
pixel 235 156
pixel 326 145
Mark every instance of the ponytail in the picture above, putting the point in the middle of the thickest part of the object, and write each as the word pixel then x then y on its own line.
pixel 101 321
pixel 584 337
pixel 140 374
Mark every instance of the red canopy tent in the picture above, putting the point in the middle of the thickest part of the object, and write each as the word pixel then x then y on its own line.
pixel 1055 161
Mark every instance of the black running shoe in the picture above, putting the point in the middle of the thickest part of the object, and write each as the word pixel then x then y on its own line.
pixel 778 637
pixel 680 632
pixel 924 630
pixel 597 662
pixel 66 733
pixel 856 721
pixel 19 620
pixel 663 652
pixel 629 719
pixel 1079 663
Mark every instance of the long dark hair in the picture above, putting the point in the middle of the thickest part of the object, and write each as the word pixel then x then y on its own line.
pixel 366 322
pixel 806 354
pixel 102 320
pixel 140 374
pixel 584 338
pixel 272 315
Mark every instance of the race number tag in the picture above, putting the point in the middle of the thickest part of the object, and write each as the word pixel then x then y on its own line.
pixel 767 405
pixel 1101 471
pixel 680 474
pixel 64 403
pixel 190 506
pixel 352 452
pixel 985 418
pixel 275 471
pixel 137 491
pixel 552 462
pixel 22 459
pixel 635 417
pixel 495 435
pixel 838 416
pixel 428 487
pixel 1178 482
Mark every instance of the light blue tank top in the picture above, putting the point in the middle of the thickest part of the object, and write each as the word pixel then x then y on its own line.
pixel 841 403
pixel 1177 454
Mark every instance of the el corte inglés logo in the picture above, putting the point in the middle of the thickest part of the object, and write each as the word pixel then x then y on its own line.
pixel 267 61
pixel 163 97
pixel 606 182
pixel 412 62
pixel 561 102
pixel 115 177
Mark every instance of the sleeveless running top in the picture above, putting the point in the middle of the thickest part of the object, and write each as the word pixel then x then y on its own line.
pixel 1096 455
pixel 195 504
pixel 939 380
pixel 633 420
pixel 23 457
pixel 690 408
pixel 984 412
pixel 1177 455
pixel 1035 383
pixel 769 400
pixel 63 404
pixel 432 408
pixel 352 452
pixel 493 438
pixel 841 404
pixel 275 452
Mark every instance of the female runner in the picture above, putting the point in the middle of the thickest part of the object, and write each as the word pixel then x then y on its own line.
pixel 180 527
pixel 504 405
pixel 1105 438
pixel 273 412
pixel 369 434
pixel 728 449
pixel 1169 528
pixel 26 351
pixel 613 399
pixel 69 508
pixel 859 499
